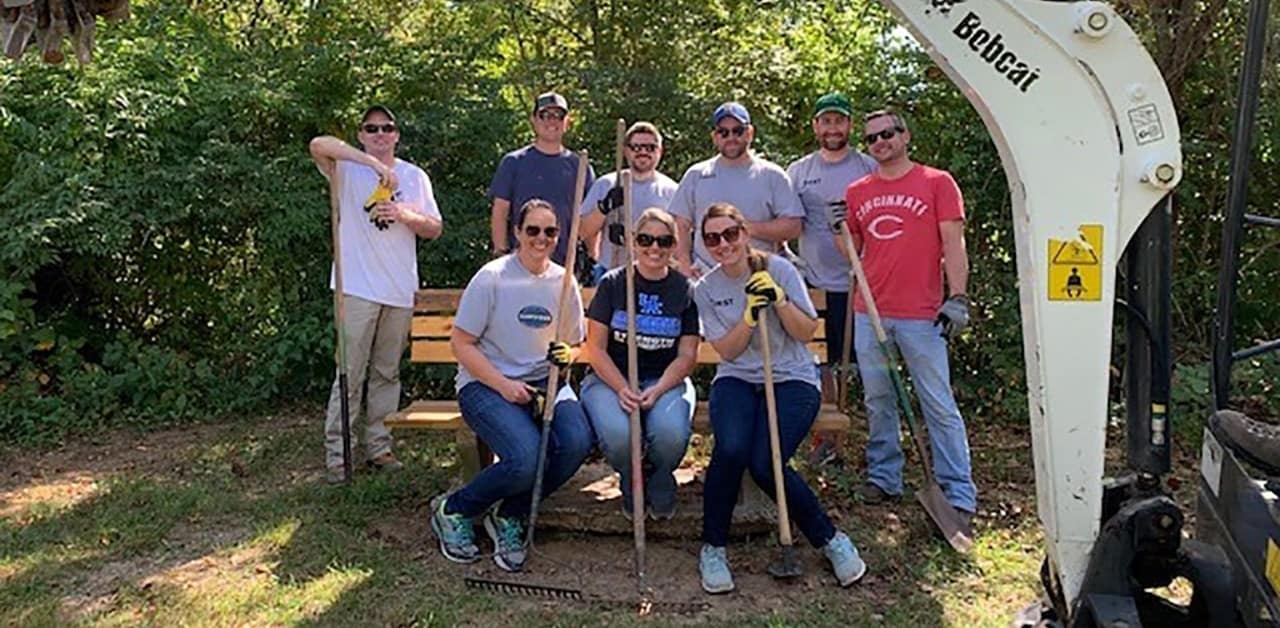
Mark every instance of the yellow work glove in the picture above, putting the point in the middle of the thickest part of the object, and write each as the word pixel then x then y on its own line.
pixel 762 283
pixel 755 303
pixel 559 353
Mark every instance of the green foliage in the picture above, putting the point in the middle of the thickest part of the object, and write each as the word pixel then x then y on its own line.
pixel 166 252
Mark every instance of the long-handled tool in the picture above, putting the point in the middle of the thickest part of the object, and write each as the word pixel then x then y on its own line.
pixel 553 378
pixel 943 514
pixel 615 252
pixel 787 565
pixel 633 382
pixel 339 324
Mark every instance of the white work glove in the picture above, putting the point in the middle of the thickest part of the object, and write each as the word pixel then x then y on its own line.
pixel 953 316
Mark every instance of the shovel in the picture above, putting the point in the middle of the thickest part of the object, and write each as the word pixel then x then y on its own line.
pixel 787 566
pixel 944 515
pixel 339 324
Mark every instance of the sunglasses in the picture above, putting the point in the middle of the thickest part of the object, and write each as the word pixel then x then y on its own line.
pixel 552 114
pixel 534 230
pixel 737 131
pixel 643 148
pixel 712 239
pixel 373 129
pixel 887 134
pixel 644 241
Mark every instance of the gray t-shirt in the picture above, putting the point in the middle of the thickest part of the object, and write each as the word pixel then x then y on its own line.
pixel 514 327
pixel 759 189
pixel 721 300
pixel 528 173
pixel 818 184
pixel 654 192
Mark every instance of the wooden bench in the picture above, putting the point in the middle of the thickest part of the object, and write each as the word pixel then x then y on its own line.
pixel 432 323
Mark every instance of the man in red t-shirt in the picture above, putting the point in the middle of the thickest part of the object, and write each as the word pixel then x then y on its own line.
pixel 907 222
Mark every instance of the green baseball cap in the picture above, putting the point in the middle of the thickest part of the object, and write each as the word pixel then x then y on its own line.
pixel 834 101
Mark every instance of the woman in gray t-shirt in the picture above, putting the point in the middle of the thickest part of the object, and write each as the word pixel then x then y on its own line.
pixel 730 298
pixel 504 338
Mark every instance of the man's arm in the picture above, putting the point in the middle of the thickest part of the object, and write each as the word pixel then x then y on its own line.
pixel 955 259
pixel 684 246
pixel 326 150
pixel 422 225
pixel 498 225
pixel 777 230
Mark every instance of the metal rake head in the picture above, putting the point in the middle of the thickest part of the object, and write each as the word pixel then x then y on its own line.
pixel 520 588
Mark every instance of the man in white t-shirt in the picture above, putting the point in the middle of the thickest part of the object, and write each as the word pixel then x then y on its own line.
pixel 384 205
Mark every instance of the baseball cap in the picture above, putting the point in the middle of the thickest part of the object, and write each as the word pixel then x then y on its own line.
pixel 379 108
pixel 731 109
pixel 834 101
pixel 550 99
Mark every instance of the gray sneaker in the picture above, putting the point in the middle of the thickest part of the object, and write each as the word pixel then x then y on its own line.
pixel 509 550
pixel 713 563
pixel 844 559
pixel 455 532
pixel 335 476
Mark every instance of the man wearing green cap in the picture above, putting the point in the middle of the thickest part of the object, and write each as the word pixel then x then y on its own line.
pixel 820 179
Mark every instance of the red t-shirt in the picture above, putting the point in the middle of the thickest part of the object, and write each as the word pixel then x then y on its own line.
pixel 897 220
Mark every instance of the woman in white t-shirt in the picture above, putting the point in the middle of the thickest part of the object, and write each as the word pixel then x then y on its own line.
pixel 730 298
pixel 504 338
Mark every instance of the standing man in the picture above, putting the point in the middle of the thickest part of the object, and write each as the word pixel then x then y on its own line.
pixel 820 179
pixel 642 147
pixel 907 219
pixel 759 189
pixel 544 169
pixel 385 204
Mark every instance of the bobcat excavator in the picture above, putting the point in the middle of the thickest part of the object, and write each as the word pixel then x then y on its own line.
pixel 1090 144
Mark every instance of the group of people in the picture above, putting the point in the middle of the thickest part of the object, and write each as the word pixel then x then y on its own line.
pixel 710 260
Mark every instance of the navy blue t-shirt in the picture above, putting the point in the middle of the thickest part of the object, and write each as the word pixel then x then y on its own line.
pixel 529 173
pixel 665 311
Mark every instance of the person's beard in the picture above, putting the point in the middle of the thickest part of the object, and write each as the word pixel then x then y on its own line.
pixel 835 143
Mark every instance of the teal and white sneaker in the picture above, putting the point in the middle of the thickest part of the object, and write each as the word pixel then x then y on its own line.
pixel 509 550
pixel 844 559
pixel 714 565
pixel 455 532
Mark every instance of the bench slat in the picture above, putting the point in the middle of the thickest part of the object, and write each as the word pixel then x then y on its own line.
pixel 436 300
pixel 433 351
pixel 441 325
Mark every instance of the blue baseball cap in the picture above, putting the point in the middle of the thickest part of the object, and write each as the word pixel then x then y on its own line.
pixel 731 109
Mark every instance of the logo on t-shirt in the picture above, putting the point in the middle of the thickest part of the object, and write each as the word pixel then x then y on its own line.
pixel 534 316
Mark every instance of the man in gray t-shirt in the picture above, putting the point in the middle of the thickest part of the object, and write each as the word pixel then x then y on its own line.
pixel 721 300
pixel 759 189
pixel 642 147
pixel 820 179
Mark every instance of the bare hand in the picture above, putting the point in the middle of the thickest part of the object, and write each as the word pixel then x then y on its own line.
pixel 515 392
pixel 387 177
pixel 390 211
pixel 649 397
pixel 629 400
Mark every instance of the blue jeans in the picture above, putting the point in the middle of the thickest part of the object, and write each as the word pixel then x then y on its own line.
pixel 924 351
pixel 513 433
pixel 739 423
pixel 666 428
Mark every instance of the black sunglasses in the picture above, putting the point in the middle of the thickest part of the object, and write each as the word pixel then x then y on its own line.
pixel 552 114
pixel 730 235
pixel 533 230
pixel 643 148
pixel 886 134
pixel 373 129
pixel 737 131
pixel 644 240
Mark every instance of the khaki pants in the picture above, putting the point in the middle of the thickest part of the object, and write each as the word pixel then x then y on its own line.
pixel 376 337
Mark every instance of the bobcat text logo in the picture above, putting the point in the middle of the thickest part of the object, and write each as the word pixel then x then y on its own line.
pixel 992 49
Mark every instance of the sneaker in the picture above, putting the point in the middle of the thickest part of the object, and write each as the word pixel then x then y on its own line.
pixel 713 563
pixel 455 532
pixel 508 541
pixel 872 494
pixel 844 558
pixel 385 463
pixel 335 476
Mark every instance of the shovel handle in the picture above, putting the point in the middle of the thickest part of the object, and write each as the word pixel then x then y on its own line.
pixel 775 442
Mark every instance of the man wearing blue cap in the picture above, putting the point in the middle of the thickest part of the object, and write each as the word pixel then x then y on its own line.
pixel 759 189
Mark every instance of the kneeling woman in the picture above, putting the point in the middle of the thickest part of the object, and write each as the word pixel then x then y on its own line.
pixel 666 349
pixel 504 340
pixel 730 299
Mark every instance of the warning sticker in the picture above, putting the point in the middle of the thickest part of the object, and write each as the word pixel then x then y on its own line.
pixel 1273 565
pixel 1075 266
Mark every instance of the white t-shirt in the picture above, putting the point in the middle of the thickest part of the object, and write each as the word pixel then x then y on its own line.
pixel 380 265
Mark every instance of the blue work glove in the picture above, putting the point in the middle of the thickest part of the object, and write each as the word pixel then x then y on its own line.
pixel 953 316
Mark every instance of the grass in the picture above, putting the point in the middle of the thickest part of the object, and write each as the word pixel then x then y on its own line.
pixel 230 525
